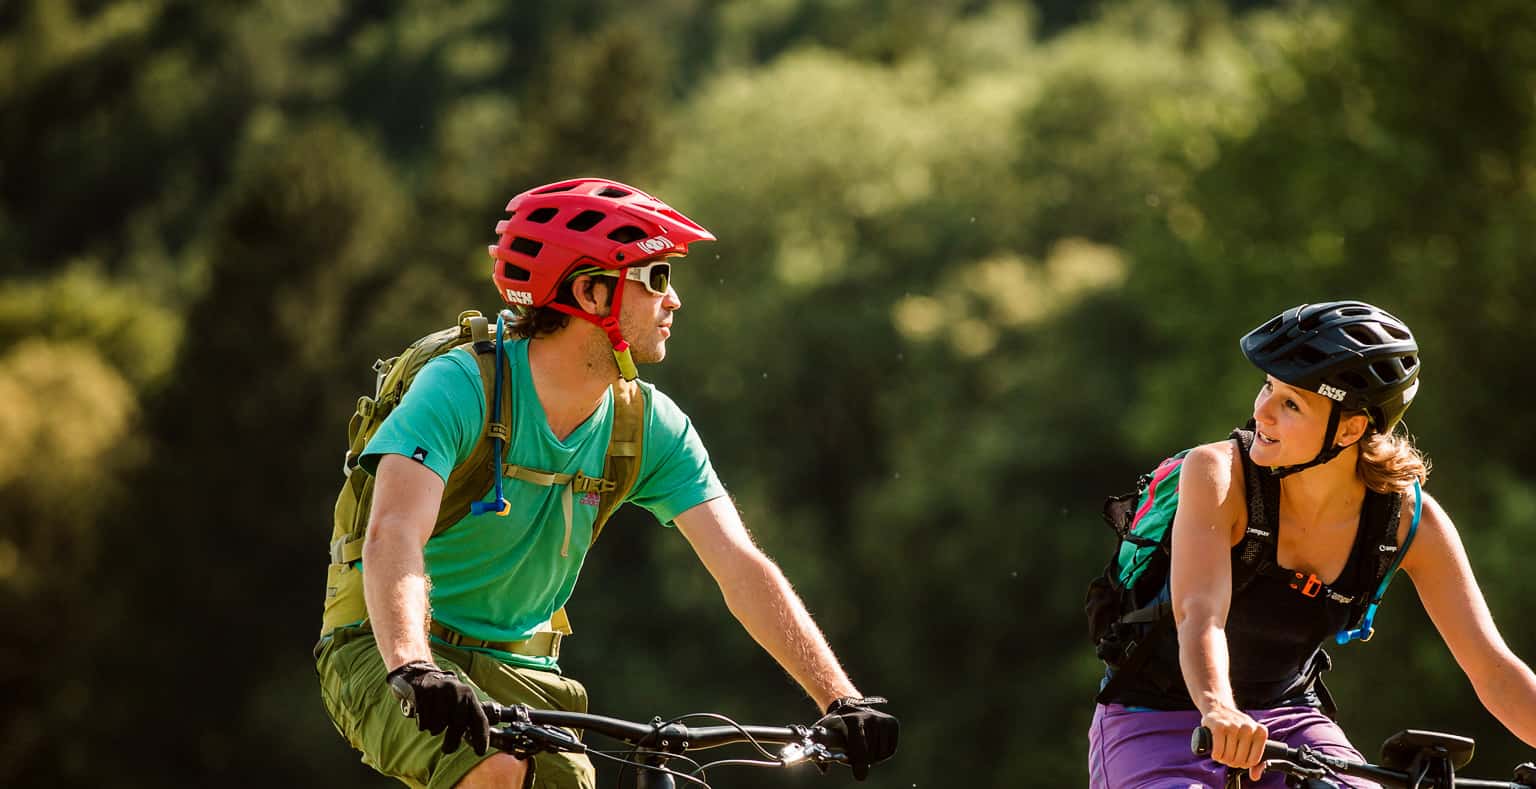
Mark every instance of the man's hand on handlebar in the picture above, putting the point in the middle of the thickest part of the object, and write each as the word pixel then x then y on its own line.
pixel 1237 739
pixel 441 704
pixel 869 735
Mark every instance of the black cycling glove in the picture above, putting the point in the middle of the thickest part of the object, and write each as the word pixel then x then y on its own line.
pixel 869 735
pixel 441 704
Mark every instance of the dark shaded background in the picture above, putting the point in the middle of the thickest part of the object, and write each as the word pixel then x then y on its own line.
pixel 980 263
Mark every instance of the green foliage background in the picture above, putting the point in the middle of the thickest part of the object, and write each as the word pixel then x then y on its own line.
pixel 980 262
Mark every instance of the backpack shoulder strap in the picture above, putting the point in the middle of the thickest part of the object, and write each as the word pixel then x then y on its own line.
pixel 621 468
pixel 1383 513
pixel 473 477
pixel 1257 551
pixel 1390 558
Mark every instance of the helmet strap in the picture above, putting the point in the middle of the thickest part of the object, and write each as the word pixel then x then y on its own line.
pixel 1330 450
pixel 610 326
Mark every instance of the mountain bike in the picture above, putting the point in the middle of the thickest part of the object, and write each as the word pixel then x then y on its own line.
pixel 1412 759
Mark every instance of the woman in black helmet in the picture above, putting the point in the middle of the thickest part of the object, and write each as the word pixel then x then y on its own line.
pixel 1283 541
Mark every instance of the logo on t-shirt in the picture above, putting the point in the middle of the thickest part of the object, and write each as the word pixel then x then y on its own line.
pixel 420 455
pixel 591 499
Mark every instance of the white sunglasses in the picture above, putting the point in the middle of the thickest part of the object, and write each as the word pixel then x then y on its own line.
pixel 656 276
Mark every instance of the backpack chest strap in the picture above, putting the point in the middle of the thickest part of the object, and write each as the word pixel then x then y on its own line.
pixel 1308 584
pixel 570 485
pixel 546 479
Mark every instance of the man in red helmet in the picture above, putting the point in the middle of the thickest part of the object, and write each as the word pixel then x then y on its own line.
pixel 474 609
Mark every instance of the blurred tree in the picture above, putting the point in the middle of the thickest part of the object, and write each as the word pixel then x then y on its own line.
pixel 67 433
pixel 233 493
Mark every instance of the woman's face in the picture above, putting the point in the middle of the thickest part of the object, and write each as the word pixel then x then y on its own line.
pixel 1290 424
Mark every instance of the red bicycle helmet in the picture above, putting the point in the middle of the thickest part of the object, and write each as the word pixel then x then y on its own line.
pixel 555 229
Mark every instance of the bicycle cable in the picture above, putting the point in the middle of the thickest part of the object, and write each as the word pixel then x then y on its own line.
pixel 1310 754
pixel 632 759
pixel 639 765
pixel 746 735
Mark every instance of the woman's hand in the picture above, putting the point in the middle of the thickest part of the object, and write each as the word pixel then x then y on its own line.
pixel 1237 740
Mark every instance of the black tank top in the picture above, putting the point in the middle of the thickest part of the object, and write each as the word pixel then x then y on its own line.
pixel 1274 632
pixel 1274 638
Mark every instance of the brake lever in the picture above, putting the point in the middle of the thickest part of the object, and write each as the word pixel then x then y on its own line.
pixel 1292 768
pixel 807 751
pixel 524 740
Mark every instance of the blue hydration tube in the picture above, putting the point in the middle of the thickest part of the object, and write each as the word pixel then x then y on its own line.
pixel 1365 630
pixel 499 504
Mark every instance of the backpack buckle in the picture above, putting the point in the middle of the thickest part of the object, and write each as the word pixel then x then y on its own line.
pixel 1308 585
pixel 581 483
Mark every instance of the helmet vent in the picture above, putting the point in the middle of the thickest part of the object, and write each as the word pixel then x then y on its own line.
pixel 612 191
pixel 1397 333
pixel 1386 371
pixel 543 215
pixel 626 234
pixel 1307 355
pixel 585 220
pixel 1269 328
pixel 526 246
pixel 1362 335
pixel 1354 380
pixel 514 273
pixel 1354 312
pixel 556 188
pixel 1410 362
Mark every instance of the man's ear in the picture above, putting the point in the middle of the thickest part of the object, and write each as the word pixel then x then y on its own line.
pixel 1351 429
pixel 593 294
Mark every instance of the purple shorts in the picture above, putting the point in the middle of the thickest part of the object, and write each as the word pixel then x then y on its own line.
pixel 1135 749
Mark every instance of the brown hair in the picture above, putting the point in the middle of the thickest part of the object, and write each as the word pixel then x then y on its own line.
pixel 1391 462
pixel 541 321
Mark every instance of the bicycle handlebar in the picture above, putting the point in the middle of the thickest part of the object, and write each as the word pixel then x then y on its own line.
pixel 673 737
pixel 532 730
pixel 526 731
pixel 1307 762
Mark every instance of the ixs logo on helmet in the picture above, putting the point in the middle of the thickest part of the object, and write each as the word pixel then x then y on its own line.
pixel 519 297
pixel 655 244
pixel 1327 391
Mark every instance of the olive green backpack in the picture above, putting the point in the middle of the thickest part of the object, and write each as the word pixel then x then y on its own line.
pixel 472 479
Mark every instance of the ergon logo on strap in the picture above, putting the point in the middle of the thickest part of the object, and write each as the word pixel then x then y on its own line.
pixel 1327 391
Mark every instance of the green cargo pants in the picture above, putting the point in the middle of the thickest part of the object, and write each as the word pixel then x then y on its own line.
pixel 368 715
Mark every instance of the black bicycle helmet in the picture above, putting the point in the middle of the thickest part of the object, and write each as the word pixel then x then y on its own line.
pixel 1359 356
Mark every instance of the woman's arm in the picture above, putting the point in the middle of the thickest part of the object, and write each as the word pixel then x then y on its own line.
pixel 1200 577
pixel 1437 563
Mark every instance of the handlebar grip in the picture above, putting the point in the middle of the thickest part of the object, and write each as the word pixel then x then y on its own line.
pixel 1200 741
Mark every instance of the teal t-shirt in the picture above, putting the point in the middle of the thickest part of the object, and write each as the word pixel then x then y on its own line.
pixel 499 578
